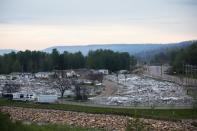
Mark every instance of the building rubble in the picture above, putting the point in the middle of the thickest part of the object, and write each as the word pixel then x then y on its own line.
pixel 143 91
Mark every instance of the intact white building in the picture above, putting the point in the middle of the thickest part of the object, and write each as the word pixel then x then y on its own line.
pixel 27 75
pixel 47 98
pixel 98 84
pixel 18 75
pixel 87 82
pixel 2 77
pixel 44 74
pixel 70 73
pixel 24 96
pixel 123 71
pixel 104 71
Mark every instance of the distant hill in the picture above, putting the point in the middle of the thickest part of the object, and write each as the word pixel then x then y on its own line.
pixel 131 48
pixel 134 49
pixel 6 51
pixel 167 47
pixel 139 50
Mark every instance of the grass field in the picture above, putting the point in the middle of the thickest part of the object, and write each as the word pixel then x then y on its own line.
pixel 164 114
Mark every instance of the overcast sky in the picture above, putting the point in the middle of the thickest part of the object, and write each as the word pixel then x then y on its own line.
pixel 38 24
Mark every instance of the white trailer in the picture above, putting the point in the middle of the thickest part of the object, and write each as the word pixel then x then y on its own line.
pixel 24 96
pixel 104 71
pixel 47 98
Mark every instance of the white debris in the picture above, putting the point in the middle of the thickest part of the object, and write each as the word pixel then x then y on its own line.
pixel 138 90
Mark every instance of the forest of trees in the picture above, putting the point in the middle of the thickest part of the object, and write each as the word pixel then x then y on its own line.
pixel 177 58
pixel 185 56
pixel 108 59
pixel 36 61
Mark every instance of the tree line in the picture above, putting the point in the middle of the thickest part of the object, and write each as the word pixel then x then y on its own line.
pixel 185 56
pixel 108 59
pixel 37 61
pixel 177 58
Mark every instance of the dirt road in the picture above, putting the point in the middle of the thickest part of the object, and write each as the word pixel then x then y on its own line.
pixel 110 88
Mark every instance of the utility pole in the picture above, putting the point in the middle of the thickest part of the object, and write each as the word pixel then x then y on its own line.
pixel 190 75
pixel 186 72
pixel 183 75
pixel 161 71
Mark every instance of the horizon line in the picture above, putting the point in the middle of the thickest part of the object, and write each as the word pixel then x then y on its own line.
pixel 94 44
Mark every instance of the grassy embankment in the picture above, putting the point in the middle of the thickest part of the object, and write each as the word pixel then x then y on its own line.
pixel 164 114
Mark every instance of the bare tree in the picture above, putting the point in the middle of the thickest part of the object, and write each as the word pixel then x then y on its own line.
pixel 62 84
pixel 77 90
pixel 80 91
pixel 95 76
pixel 11 87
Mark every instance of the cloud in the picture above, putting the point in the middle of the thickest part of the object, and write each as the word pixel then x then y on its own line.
pixel 182 2
pixel 189 2
pixel 104 21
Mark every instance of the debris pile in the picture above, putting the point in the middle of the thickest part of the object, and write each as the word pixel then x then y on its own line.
pixel 136 90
